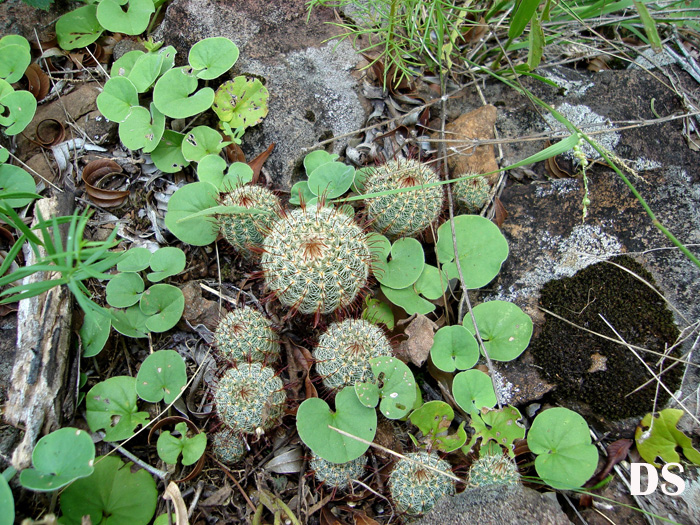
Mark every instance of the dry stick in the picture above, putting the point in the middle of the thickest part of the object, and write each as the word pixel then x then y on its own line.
pixel 680 403
pixel 156 472
pixel 376 494
pixel 235 481
pixel 396 454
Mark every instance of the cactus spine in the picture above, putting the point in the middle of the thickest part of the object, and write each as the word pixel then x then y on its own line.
pixel 246 335
pixel 416 489
pixel 337 475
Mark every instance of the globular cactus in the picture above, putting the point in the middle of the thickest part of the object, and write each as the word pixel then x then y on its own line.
pixel 315 260
pixel 416 489
pixel 493 469
pixel 337 475
pixel 471 194
pixel 407 213
pixel 246 335
pixel 245 232
pixel 250 398
pixel 227 446
pixel 344 350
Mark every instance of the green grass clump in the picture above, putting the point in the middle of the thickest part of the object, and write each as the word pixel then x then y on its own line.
pixel 246 335
pixel 408 213
pixel 344 350
pixel 416 489
pixel 337 475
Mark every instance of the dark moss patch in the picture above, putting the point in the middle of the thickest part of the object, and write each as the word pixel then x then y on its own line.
pixel 594 370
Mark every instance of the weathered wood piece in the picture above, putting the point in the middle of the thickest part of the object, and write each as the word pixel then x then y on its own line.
pixel 38 384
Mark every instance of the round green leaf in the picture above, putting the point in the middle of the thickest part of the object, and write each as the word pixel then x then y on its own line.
pixel 7 503
pixel 314 419
pixel 163 304
pixel 398 387
pixel 300 192
pixel 432 283
pixel 130 322
pixel 238 174
pixel 124 290
pixel 331 180
pixel 368 394
pixel 20 107
pixel 503 426
pixel 167 155
pixel 174 94
pixel 212 57
pixel 111 406
pixel 317 158
pixel 170 447
pixel 210 168
pixel 145 71
pixel 186 201
pixel 504 328
pixel 454 348
pixel 15 40
pixel 134 260
pixel 168 54
pixel 4 154
pixel 377 312
pixel 58 459
pixel 14 59
pixel 14 179
pixel 162 376
pixel 117 99
pixel 166 262
pixel 112 495
pixel 405 267
pixel 242 102
pixel 409 300
pixel 481 246
pixel 560 439
pixel 94 334
pixel 473 390
pixel 142 129
pixel 163 519
pixel 123 65
pixel 78 28
pixel 114 16
pixel 201 141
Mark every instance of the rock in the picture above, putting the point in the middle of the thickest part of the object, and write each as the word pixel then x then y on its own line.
pixel 198 310
pixel 19 18
pixel 98 129
pixel 41 165
pixel 521 506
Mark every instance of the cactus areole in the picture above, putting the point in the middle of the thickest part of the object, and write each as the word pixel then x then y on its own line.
pixel 315 260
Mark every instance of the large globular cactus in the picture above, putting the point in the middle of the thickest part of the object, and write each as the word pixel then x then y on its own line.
pixel 246 335
pixel 407 213
pixel 344 350
pixel 315 260
pixel 416 489
pixel 250 398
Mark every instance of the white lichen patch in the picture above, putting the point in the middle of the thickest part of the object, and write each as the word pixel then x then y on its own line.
pixel 650 59
pixel 504 388
pixel 574 88
pixel 558 187
pixel 590 123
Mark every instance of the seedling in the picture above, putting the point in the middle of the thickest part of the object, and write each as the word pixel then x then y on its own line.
pixel 504 329
pixel 112 406
pixel 657 436
pixel 433 419
pixel 473 390
pixel 162 377
pixel 170 447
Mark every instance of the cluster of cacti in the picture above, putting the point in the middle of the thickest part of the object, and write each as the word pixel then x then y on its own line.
pixel 337 475
pixel 415 489
pixel 245 334
pixel 493 469
pixel 344 350
pixel 315 260
pixel 407 213
pixel 227 446
pixel 245 232
pixel 250 398
pixel 471 194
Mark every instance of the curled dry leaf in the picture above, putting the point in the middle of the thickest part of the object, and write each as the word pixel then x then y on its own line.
pixel 500 214
pixel 234 153
pixel 39 84
pixel 100 170
pixel 172 493
pixel 257 163
pixel 50 132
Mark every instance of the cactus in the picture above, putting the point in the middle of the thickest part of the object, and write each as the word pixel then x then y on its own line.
pixel 227 446
pixel 493 469
pixel 250 398
pixel 246 335
pixel 471 194
pixel 407 213
pixel 337 475
pixel 416 489
pixel 344 350
pixel 315 260
pixel 246 232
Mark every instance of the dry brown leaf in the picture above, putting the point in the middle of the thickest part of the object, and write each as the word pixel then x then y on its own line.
pixel 234 153
pixel 598 64
pixel 327 518
pixel 362 519
pixel 94 174
pixel 220 497
pixel 50 132
pixel 420 331
pixel 500 212
pixel 39 83
pixel 172 493
pixel 257 163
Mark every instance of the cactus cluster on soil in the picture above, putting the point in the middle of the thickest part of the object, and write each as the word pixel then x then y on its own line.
pixel 245 232
pixel 493 469
pixel 315 260
pixel 344 350
pixel 227 446
pixel 416 489
pixel 471 194
pixel 407 213
pixel 337 475
pixel 250 398
pixel 245 334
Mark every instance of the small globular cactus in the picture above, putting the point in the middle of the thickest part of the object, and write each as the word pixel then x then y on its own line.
pixel 407 213
pixel 344 350
pixel 227 446
pixel 471 194
pixel 246 335
pixel 493 469
pixel 245 232
pixel 250 398
pixel 416 489
pixel 337 475
pixel 315 260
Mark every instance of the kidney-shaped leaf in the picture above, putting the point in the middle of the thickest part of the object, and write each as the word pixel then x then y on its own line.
pixel 94 333
pixel 59 458
pixel 473 390
pixel 186 201
pixel 130 322
pixel 405 267
pixel 7 503
pixel 398 386
pixel 314 419
pixel 118 97
pixel 659 436
pixel 560 439
pixel 162 376
pixel 504 328
pixel 78 28
pixel 124 290
pixel 368 394
pixel 166 262
pixel 142 128
pixel 176 95
pixel 116 17
pixel 14 179
pixel 14 60
pixel 163 304
pixel 331 180
pixel 212 57
pixel 20 107
pixel 317 158
pixel 123 65
pixel 111 406
pixel 409 300
pixel 145 70
pixel 454 348
pixel 200 142
pixel 167 155
pixel 134 260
